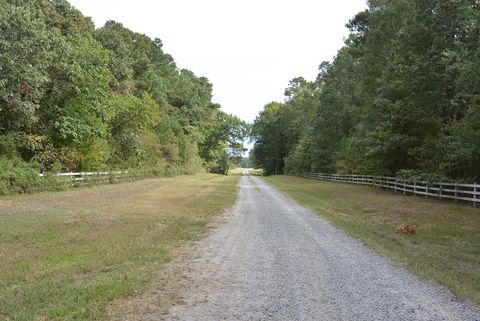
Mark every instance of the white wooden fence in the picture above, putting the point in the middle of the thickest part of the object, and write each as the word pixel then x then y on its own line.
pixel 454 191
pixel 85 176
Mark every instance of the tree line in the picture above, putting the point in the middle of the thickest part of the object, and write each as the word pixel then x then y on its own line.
pixel 401 96
pixel 76 98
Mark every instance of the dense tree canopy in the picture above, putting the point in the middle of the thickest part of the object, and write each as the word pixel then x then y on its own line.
pixel 403 93
pixel 79 98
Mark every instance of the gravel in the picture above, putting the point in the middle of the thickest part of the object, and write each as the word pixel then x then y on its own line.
pixel 272 259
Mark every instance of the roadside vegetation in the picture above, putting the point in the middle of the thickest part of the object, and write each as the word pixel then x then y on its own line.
pixel 445 247
pixel 255 172
pixel 78 98
pixel 402 94
pixel 68 255
pixel 18 177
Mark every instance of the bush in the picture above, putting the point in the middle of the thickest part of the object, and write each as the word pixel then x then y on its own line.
pixel 417 175
pixel 17 176
pixel 50 182
pixel 93 153
pixel 8 145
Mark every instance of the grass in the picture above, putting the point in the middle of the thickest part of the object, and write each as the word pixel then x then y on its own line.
pixel 255 172
pixel 68 255
pixel 445 249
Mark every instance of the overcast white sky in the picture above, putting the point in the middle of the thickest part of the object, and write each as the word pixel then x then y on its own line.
pixel 248 49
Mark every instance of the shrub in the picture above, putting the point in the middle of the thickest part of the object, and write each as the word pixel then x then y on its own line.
pixel 8 145
pixel 17 176
pixel 50 182
pixel 417 175
pixel 93 153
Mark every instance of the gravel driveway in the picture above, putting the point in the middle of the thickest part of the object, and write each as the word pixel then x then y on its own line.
pixel 274 260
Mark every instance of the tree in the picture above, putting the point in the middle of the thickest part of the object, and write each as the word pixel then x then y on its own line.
pixel 401 94
pixel 86 99
pixel 279 127
pixel 224 143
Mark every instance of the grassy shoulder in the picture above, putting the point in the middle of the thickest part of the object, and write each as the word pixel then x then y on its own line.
pixel 67 255
pixel 446 247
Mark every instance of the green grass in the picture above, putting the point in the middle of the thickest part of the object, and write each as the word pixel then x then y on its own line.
pixel 68 255
pixel 446 247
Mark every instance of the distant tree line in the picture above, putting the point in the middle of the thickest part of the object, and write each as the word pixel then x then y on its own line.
pixel 73 97
pixel 403 94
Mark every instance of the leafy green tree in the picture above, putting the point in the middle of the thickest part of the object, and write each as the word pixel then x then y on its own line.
pixel 402 94
pixel 85 99
pixel 279 127
pixel 26 45
pixel 268 134
pixel 224 143
pixel 133 118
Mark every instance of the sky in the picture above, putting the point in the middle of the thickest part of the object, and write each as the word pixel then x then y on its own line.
pixel 249 49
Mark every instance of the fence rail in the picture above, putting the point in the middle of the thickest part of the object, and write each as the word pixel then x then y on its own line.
pixel 445 190
pixel 84 176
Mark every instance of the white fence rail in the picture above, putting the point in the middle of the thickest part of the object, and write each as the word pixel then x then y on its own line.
pixel 84 176
pixel 454 191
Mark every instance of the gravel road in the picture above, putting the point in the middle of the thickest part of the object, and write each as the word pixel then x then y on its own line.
pixel 272 259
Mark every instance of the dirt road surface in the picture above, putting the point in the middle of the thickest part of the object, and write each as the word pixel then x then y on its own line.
pixel 272 259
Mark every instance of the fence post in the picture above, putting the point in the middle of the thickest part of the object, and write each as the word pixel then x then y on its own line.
pixel 456 199
pixel 474 194
pixel 372 180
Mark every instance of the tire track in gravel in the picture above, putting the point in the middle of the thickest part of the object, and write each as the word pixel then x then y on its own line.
pixel 272 259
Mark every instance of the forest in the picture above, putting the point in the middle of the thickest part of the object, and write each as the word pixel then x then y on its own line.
pixel 402 97
pixel 77 98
